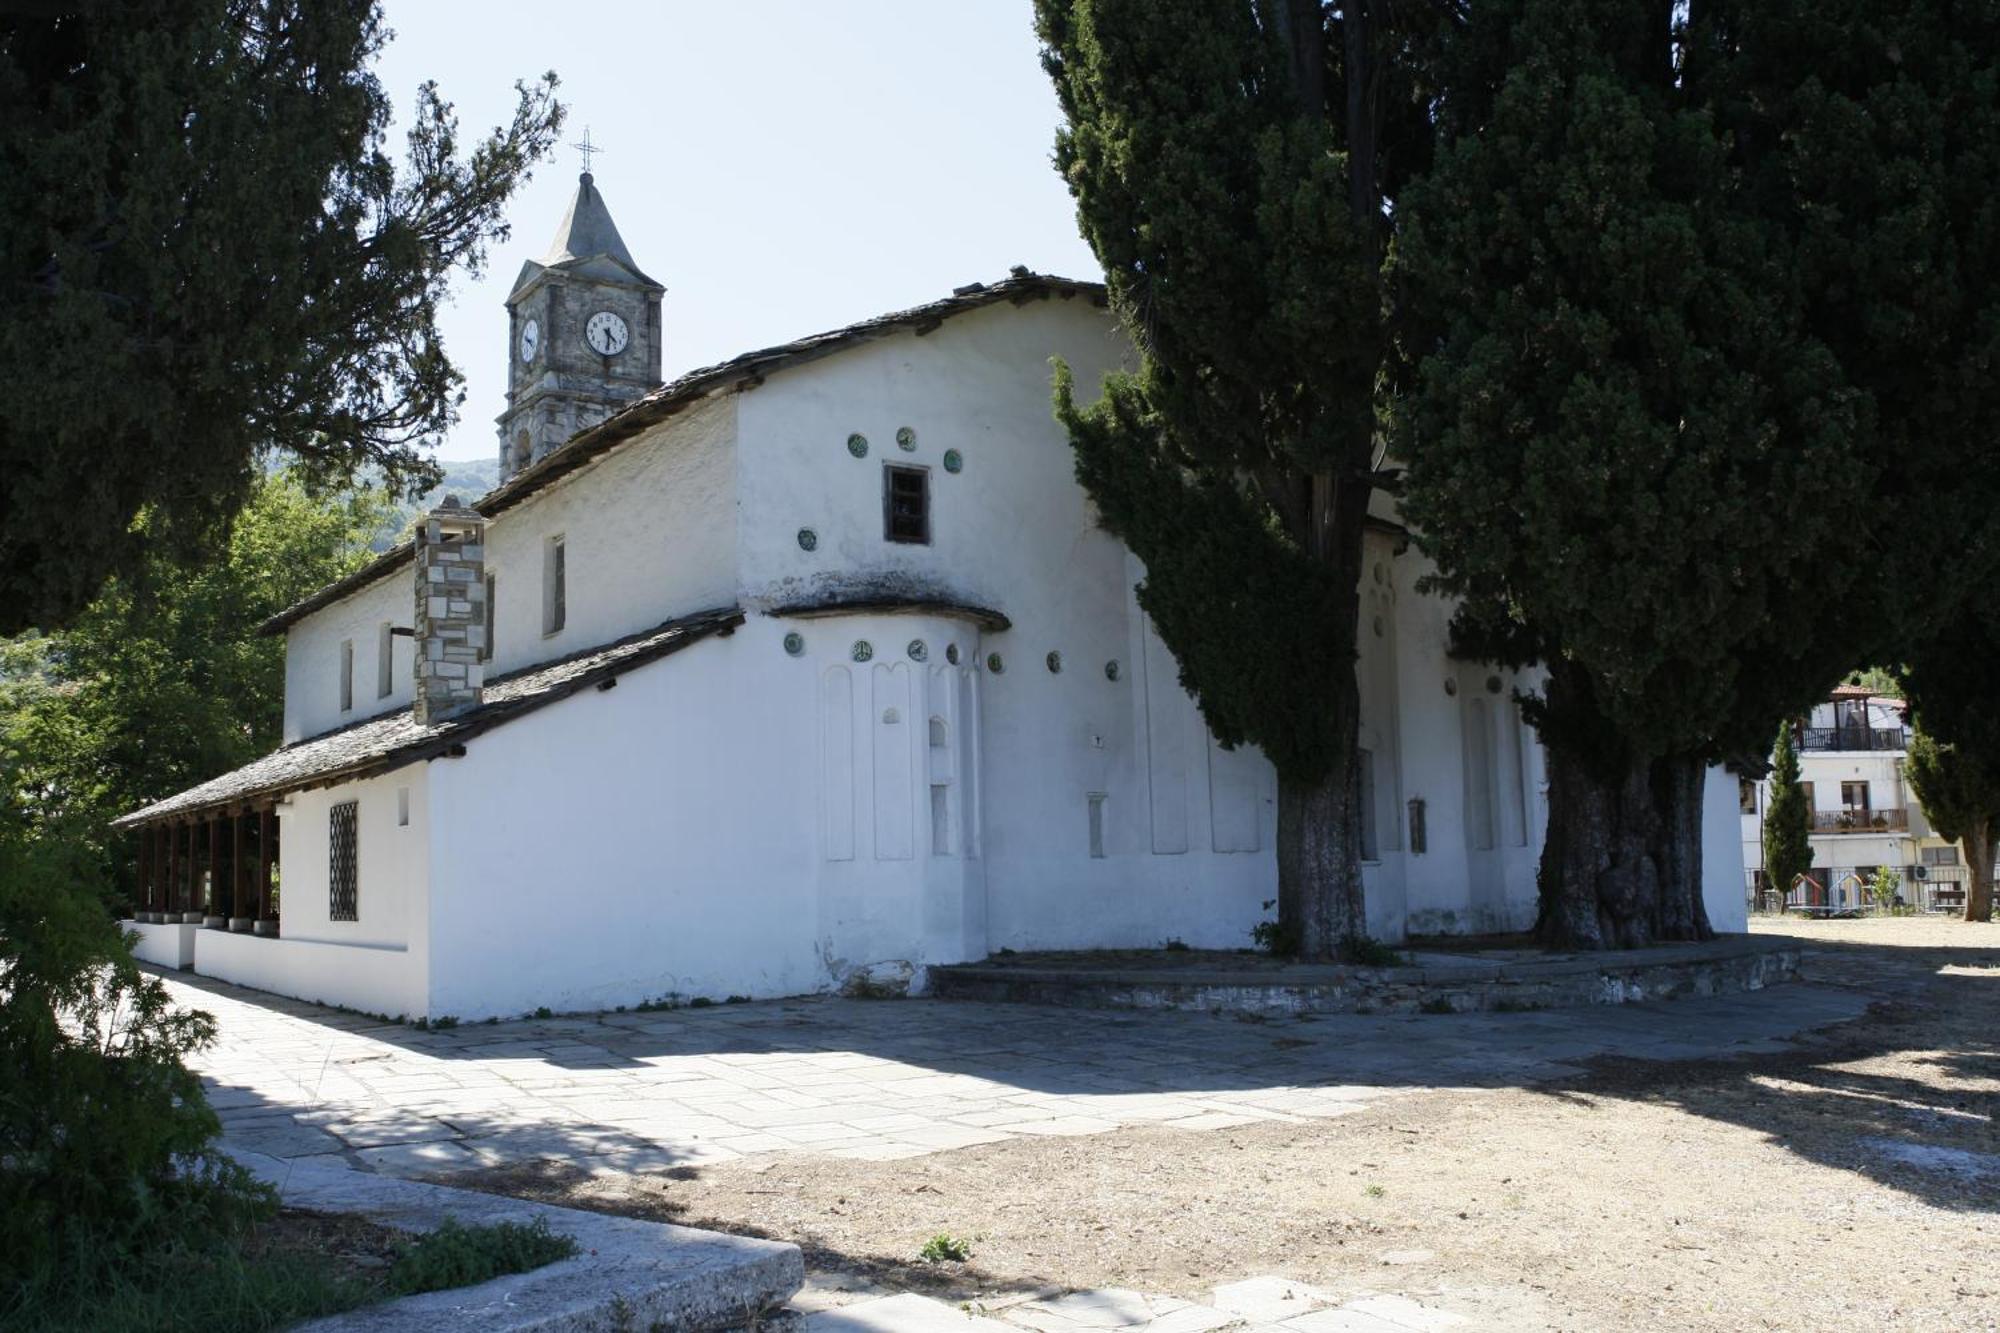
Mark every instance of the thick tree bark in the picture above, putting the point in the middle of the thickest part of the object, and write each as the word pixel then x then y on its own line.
pixel 1621 867
pixel 1978 842
pixel 1622 864
pixel 1319 862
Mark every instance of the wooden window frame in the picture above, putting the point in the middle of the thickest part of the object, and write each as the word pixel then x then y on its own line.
pixel 555 585
pixel 892 529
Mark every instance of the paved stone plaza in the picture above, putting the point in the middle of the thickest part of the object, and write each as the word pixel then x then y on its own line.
pixel 878 1079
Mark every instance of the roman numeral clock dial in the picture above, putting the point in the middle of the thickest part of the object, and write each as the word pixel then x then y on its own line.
pixel 606 333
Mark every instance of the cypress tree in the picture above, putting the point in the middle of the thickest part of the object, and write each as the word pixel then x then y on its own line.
pixel 1954 759
pixel 1787 821
pixel 207 253
pixel 1231 163
pixel 1696 295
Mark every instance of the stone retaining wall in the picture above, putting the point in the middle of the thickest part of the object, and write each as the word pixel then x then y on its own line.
pixel 1569 981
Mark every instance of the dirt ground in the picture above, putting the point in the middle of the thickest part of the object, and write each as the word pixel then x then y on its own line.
pixel 1850 1183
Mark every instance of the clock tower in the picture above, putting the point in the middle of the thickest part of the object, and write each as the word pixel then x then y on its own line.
pixel 584 334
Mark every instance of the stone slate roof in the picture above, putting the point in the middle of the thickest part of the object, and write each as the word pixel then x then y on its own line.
pixel 738 374
pixel 587 233
pixel 392 740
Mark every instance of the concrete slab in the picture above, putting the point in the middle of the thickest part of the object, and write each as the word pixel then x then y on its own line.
pixel 651 1274
pixel 1269 1300
pixel 907 1313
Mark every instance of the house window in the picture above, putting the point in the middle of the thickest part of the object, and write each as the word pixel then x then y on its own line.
pixel 1807 789
pixel 486 648
pixel 343 898
pixel 1940 856
pixel 1094 807
pixel 402 807
pixel 555 593
pixel 1746 796
pixel 385 660
pixel 1854 795
pixel 346 675
pixel 906 504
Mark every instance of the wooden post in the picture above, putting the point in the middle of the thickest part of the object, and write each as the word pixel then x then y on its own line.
pixel 169 901
pixel 267 857
pixel 213 907
pixel 236 869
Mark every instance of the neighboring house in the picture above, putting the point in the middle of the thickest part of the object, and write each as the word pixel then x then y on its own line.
pixel 806 670
pixel 1865 816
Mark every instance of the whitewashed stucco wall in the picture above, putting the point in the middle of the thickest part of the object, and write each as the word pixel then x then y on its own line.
pixel 1014 532
pixel 312 657
pixel 649 531
pixel 621 845
pixel 379 962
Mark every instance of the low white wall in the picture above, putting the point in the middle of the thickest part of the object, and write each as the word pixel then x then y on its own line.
pixel 162 946
pixel 1722 878
pixel 375 980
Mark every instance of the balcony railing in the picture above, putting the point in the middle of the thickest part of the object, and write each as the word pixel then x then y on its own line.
pixel 1860 821
pixel 1854 738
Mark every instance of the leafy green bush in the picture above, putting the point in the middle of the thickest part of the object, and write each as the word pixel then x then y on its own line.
pixel 104 1132
pixel 458 1256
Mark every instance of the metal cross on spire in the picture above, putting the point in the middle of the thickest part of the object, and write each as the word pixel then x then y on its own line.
pixel 586 147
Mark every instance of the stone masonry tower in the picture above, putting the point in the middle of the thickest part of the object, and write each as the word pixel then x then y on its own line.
pixel 584 327
pixel 450 626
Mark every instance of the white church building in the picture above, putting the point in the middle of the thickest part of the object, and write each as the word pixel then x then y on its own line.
pixel 806 669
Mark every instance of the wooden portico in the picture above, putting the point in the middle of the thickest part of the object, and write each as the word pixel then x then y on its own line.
pixel 216 868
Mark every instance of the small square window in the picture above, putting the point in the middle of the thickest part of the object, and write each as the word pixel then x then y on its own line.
pixel 906 504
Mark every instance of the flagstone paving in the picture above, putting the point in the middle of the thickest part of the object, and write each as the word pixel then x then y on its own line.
pixel 879 1079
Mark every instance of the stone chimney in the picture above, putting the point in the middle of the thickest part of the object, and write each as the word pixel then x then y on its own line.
pixel 450 626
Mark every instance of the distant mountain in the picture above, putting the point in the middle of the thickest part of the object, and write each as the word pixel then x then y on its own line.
pixel 467 478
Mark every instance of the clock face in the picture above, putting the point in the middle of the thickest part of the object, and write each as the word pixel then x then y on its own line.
pixel 531 340
pixel 606 333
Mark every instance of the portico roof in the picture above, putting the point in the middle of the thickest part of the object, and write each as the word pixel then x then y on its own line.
pixel 392 740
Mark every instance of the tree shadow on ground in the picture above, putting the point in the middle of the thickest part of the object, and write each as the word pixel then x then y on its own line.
pixel 651 1199
pixel 1909 1097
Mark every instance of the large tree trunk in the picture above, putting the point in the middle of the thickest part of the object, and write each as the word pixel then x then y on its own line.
pixel 1621 867
pixel 1320 905
pixel 1978 842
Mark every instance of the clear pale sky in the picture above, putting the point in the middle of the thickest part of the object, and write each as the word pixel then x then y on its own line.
pixel 783 167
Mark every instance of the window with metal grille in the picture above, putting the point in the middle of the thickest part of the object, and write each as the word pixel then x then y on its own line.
pixel 906 504
pixel 343 900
